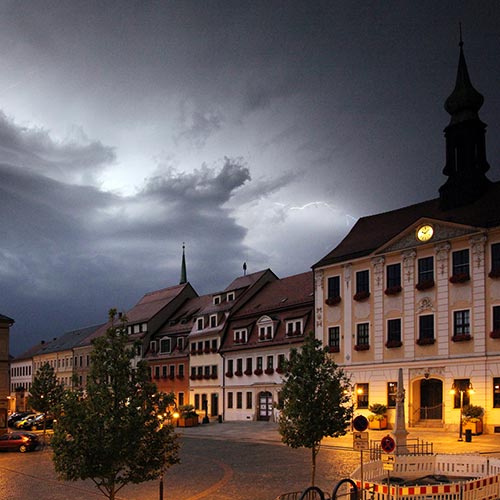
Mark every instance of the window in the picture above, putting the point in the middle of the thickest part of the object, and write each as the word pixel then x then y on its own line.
pixel 362 336
pixel 294 327
pixel 461 323
pixel 180 371
pixel 334 338
pixel 496 322
pixel 171 370
pixel 199 372
pixel 265 326
pixel 270 362
pixel 362 395
pixel 239 366
pixel 230 296
pixel 392 390
pixel 425 273
pixel 426 329
pixel 217 300
pixel 165 345
pixel 157 372
pixel 259 362
pixel 362 285
pixel 281 362
pixel 334 287
pixel 193 372
pixel 164 371
pixel 495 260
pixel 199 324
pixel 240 336
pixel 496 392
pixel 213 320
pixel 249 400
pixel 462 390
pixel 229 399
pixel 248 366
pixel 239 400
pixel 180 343
pixel 394 333
pixel 214 371
pixel 460 262
pixel 214 345
pixel 393 277
pixel 230 364
pixel 180 399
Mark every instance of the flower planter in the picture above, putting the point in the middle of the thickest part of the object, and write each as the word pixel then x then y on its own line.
pixel 424 285
pixel 361 347
pixel 269 371
pixel 495 334
pixel 258 371
pixel 392 344
pixel 460 278
pixel 360 296
pixel 378 424
pixel 475 426
pixel 393 290
pixel 188 421
pixel 333 301
pixel 425 341
pixel 334 349
pixel 461 338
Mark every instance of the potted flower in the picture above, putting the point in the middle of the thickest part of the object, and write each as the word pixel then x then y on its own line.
pixel 188 416
pixel 473 418
pixel 378 417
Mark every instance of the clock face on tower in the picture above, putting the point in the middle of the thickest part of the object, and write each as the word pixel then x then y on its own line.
pixel 425 232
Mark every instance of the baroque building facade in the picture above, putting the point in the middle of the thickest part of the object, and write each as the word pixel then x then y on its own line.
pixel 418 288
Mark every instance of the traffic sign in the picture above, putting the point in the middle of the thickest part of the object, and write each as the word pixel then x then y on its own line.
pixel 360 423
pixel 388 444
pixel 360 441
pixel 387 458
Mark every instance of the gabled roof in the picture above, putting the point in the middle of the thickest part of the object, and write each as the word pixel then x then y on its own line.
pixel 371 232
pixel 280 294
pixel 68 340
pixel 152 303
pixel 6 319
pixel 245 281
pixel 29 353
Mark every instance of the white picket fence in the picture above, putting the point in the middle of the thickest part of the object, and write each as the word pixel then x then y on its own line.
pixel 485 472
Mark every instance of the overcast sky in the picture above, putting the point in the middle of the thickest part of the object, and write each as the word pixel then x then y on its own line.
pixel 253 131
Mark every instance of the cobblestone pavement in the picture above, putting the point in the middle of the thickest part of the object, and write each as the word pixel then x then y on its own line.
pixel 228 461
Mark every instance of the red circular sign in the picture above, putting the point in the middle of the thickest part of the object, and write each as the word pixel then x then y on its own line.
pixel 388 444
pixel 360 423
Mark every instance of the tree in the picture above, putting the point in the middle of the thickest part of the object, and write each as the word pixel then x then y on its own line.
pixel 315 399
pixel 46 393
pixel 117 431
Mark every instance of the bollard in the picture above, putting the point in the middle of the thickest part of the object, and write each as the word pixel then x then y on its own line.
pixel 468 435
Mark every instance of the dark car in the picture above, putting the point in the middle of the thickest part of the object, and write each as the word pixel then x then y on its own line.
pixel 15 417
pixel 21 441
pixel 37 423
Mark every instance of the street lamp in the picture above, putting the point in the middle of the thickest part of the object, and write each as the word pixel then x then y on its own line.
pixel 461 390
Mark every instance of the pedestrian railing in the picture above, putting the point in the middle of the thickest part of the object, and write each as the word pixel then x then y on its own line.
pixel 412 447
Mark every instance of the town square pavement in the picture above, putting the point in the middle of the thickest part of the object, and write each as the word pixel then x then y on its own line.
pixel 223 461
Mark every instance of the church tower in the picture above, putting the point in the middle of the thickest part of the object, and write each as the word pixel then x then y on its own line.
pixel 466 162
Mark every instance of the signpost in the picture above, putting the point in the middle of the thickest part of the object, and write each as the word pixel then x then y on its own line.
pixel 388 444
pixel 360 442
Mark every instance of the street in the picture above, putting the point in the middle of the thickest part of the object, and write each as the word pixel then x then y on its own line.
pixel 210 469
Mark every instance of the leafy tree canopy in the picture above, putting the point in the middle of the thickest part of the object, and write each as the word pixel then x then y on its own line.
pixel 316 399
pixel 115 432
pixel 46 392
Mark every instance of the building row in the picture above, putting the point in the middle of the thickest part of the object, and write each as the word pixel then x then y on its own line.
pixel 416 289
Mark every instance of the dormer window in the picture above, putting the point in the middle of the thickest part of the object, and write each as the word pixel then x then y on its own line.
pixel 230 296
pixel 265 328
pixel 199 324
pixel 213 320
pixel 165 345
pixel 240 336
pixel 152 346
pixel 180 343
pixel 217 300
pixel 294 327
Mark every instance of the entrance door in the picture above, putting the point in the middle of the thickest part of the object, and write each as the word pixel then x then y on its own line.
pixel 265 405
pixel 214 404
pixel 431 399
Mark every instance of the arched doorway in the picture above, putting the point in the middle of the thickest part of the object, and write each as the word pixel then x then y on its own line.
pixel 265 405
pixel 431 400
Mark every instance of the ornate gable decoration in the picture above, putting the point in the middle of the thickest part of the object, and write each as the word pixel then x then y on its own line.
pixel 441 231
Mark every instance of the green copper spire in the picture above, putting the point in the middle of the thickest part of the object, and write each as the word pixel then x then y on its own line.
pixel 183 267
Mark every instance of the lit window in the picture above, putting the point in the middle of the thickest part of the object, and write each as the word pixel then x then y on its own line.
pixel 461 323
pixel 362 395
pixel 392 389
pixel 496 392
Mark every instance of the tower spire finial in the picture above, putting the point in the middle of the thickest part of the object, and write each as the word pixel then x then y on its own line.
pixel 183 279
pixel 461 43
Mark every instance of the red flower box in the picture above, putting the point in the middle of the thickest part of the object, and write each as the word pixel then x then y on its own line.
pixel 333 349
pixel 229 374
pixel 495 334
pixel 494 273
pixel 269 371
pixel 362 347
pixel 461 338
pixel 213 376
pixel 391 344
pixel 238 373
pixel 460 278
pixel 426 341
pixel 333 301
pixel 258 371
pixel 393 290
pixel 248 372
pixel 361 296
pixel 424 285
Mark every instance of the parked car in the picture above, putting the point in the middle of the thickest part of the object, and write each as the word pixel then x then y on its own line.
pixel 16 416
pixel 20 423
pixel 37 422
pixel 22 441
